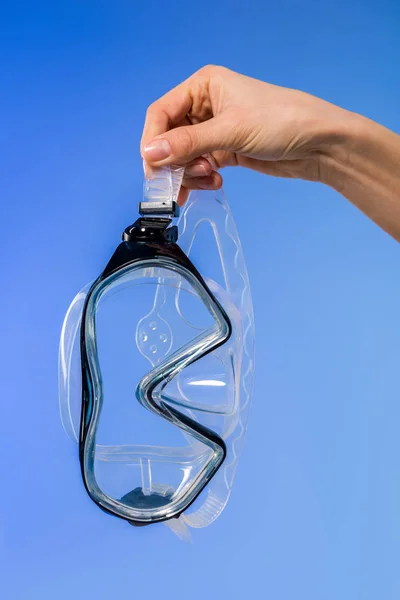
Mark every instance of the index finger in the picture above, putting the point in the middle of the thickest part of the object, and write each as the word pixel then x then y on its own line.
pixel 167 112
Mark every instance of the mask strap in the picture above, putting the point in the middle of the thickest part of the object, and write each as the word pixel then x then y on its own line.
pixel 160 190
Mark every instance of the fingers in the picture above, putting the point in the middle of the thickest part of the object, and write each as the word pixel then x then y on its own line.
pixel 180 129
pixel 199 175
pixel 166 112
pixel 183 144
pixel 172 109
pixel 181 126
pixel 183 196
pixel 213 181
pixel 201 167
pixel 190 97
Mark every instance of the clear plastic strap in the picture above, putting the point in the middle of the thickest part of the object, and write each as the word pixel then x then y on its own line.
pixel 162 183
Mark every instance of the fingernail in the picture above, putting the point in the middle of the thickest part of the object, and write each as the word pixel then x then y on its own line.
pixel 196 171
pixel 157 150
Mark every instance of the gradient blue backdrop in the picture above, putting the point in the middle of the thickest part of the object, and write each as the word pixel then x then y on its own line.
pixel 315 512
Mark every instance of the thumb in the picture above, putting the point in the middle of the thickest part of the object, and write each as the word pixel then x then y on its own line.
pixel 183 144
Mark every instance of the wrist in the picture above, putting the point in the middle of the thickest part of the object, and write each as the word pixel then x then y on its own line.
pixel 340 136
pixel 362 163
pixel 353 149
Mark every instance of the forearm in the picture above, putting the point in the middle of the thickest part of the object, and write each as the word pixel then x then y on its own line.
pixel 364 166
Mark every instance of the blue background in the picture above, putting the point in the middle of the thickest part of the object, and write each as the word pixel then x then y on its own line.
pixel 315 511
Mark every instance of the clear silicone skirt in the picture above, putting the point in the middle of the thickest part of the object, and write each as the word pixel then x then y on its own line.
pixel 156 369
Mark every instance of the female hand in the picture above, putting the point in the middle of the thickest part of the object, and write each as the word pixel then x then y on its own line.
pixel 219 118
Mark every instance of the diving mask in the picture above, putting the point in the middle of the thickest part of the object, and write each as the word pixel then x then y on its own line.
pixel 156 362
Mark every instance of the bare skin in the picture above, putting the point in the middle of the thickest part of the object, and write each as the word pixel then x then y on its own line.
pixel 219 118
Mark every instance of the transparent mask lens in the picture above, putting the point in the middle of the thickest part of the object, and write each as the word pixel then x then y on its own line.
pixel 171 386
pixel 137 340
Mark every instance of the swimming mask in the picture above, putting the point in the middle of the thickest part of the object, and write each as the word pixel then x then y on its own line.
pixel 156 363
